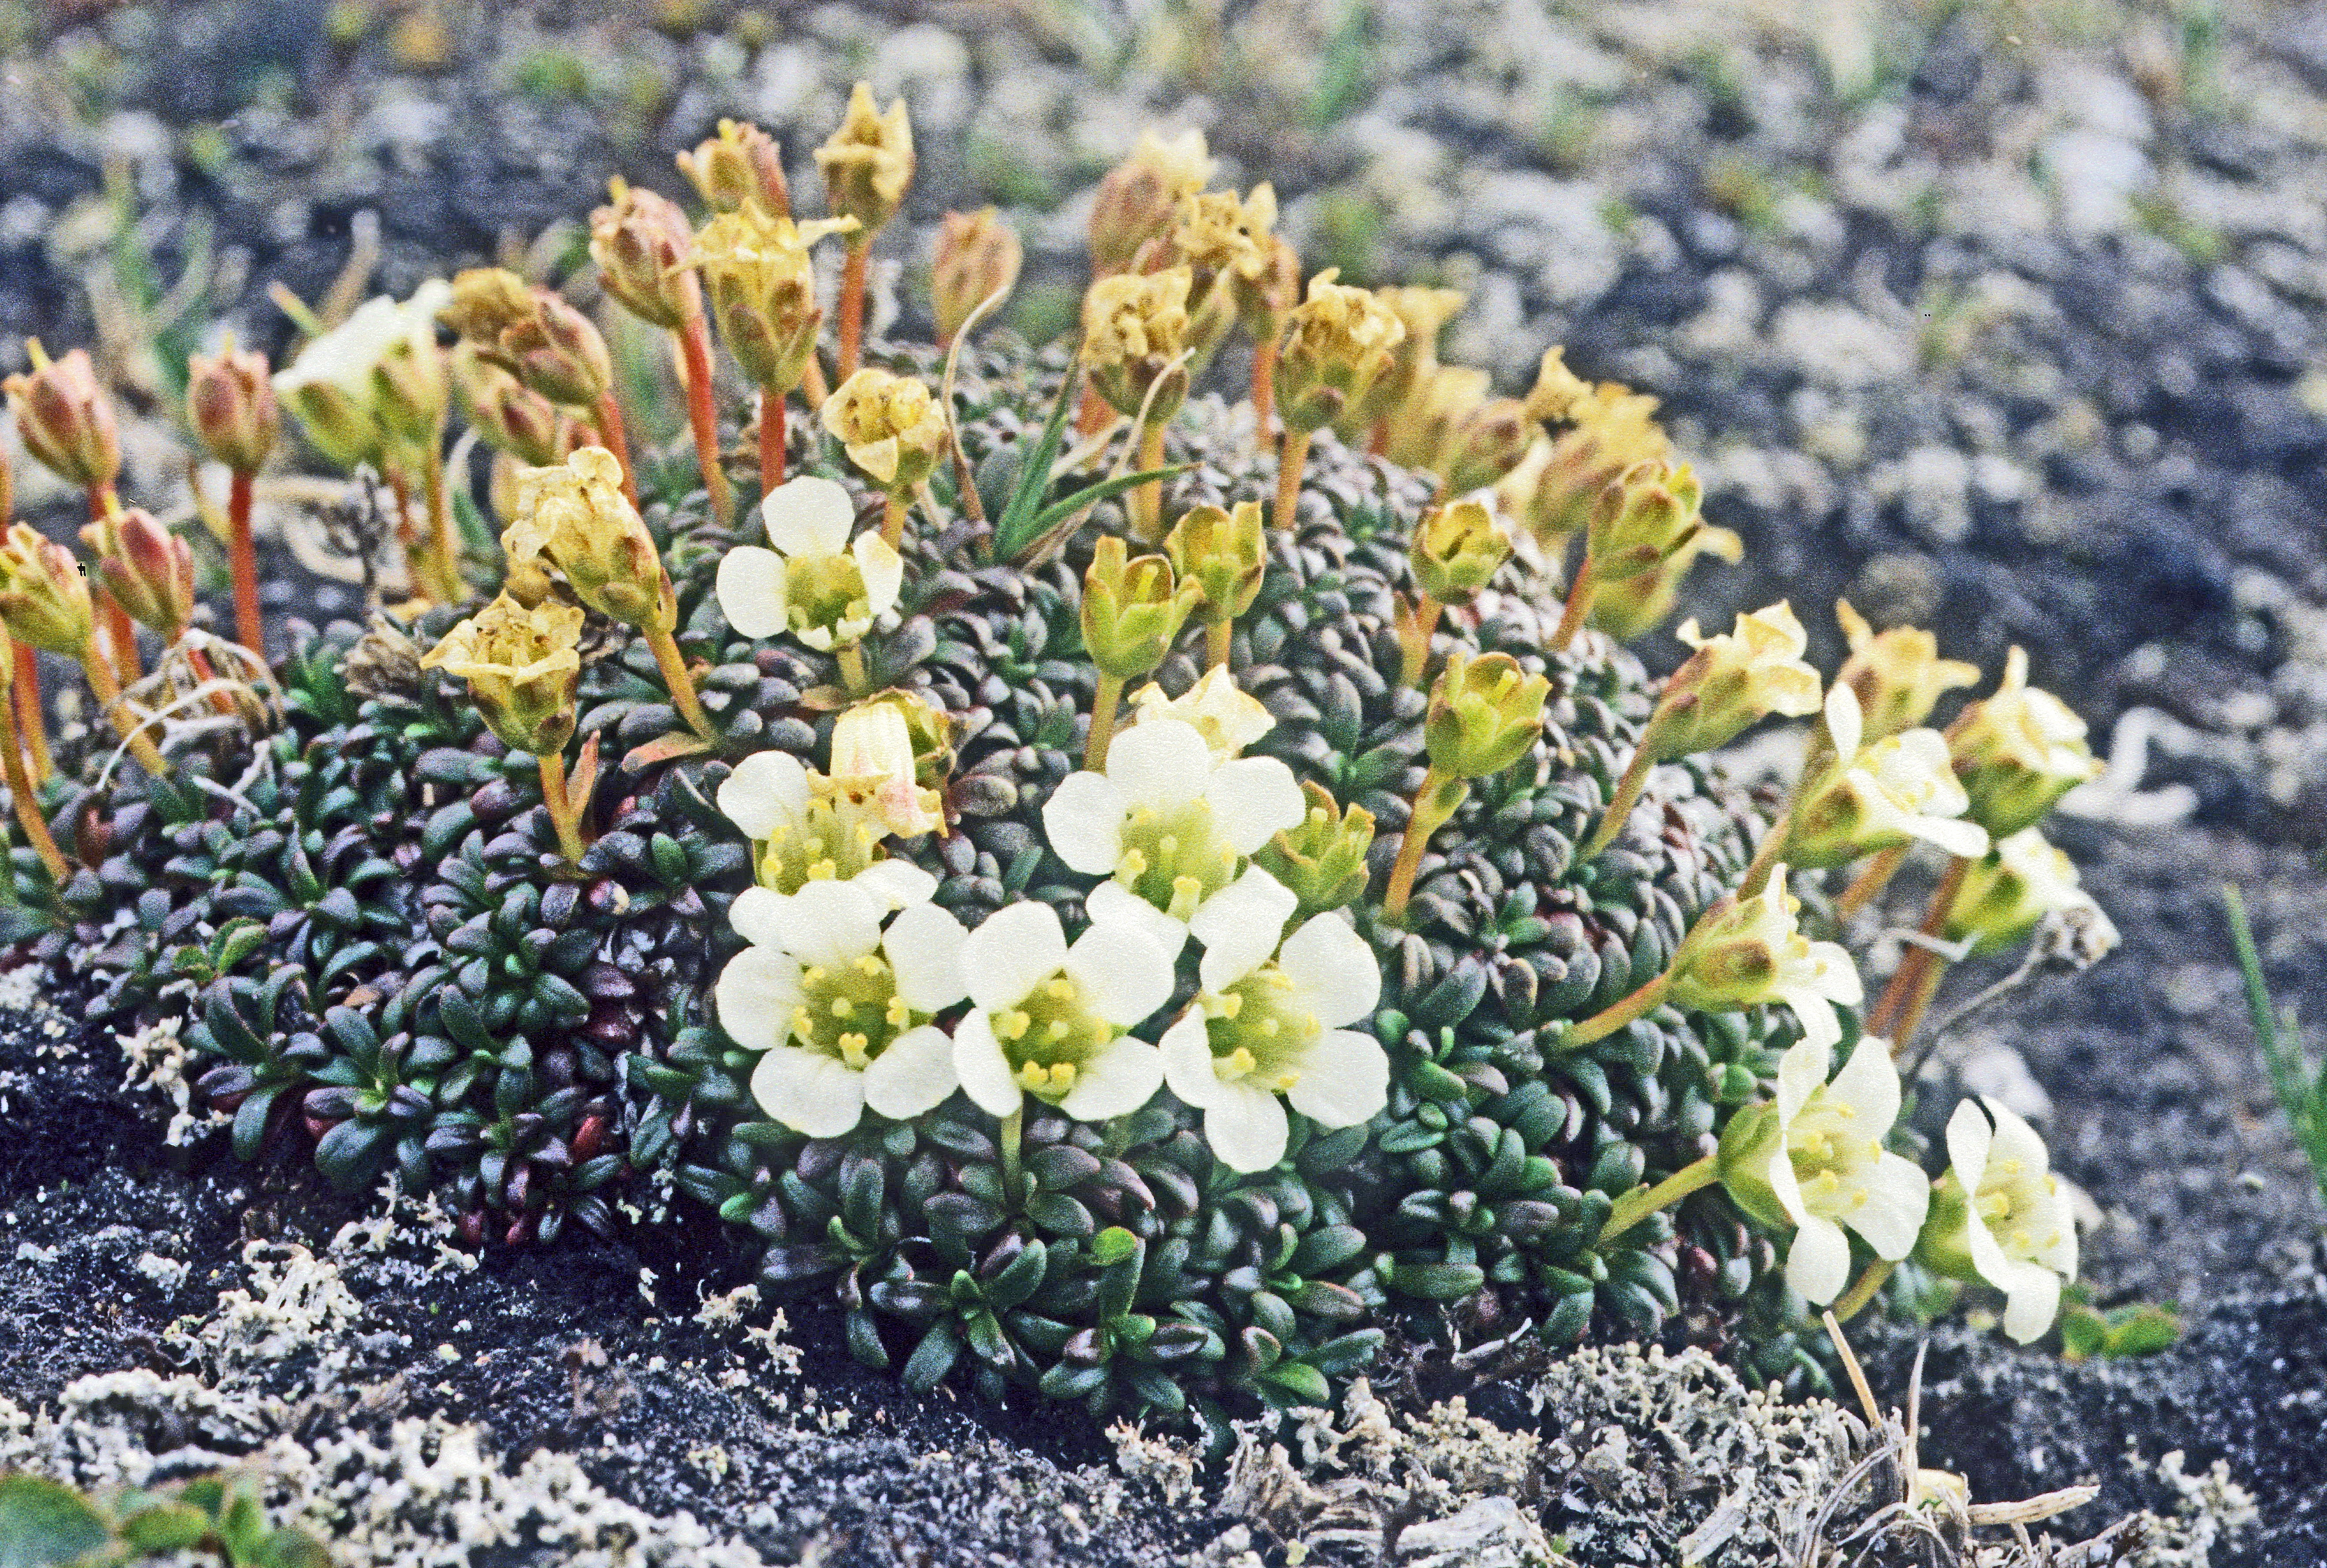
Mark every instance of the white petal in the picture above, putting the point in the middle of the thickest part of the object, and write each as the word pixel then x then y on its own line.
pixel 2032 1301
pixel 984 1071
pixel 1344 1080
pixel 1164 764
pixel 1112 902
pixel 1837 975
pixel 1122 970
pixel 1016 948
pixel 1953 835
pixel 1253 799
pixel 1970 1136
pixel 924 947
pixel 1187 1053
pixel 767 791
pixel 1820 1027
pixel 884 571
pixel 2015 1139
pixel 897 884
pixel 758 916
pixel 1245 1127
pixel 756 993
pixel 1083 818
pixel 915 1074
pixel 1817 1265
pixel 831 923
pixel 1333 972
pixel 809 1091
pixel 1239 927
pixel 752 588
pixel 1898 1196
pixel 1801 1073
pixel 1116 1080
pixel 1845 725
pixel 808 515
pixel 1869 1085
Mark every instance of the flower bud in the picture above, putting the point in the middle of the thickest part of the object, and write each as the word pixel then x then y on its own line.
pixel 1135 327
pixel 1484 445
pixel 873 763
pixel 978 256
pixel 486 302
pixel 1138 200
pixel 559 352
pixel 522 667
pixel 641 243
pixel 2018 750
pixel 1423 313
pixel 1733 679
pixel 1897 674
pixel 892 426
pixel 1223 554
pixel 1636 605
pixel 148 569
pixel 230 404
pixel 1612 430
pixel 510 415
pixel 761 281
pixel 576 518
pixel 1457 550
pixel 868 162
pixel 43 598
pixel 1133 609
pixel 1228 719
pixel 1484 714
pixel 741 164
pixel 1321 861
pixel 65 417
pixel 1337 344
pixel 1646 517
pixel 930 728
pixel 1743 952
pixel 2006 894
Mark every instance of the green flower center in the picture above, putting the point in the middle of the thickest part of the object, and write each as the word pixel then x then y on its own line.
pixel 1050 1035
pixel 1174 858
pixel 2009 1202
pixel 1828 1152
pixel 1256 1033
pixel 830 840
pixel 825 591
pixel 851 1011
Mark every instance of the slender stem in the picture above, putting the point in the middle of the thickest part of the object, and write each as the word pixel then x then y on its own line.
pixel 1577 606
pixel 1413 640
pixel 1617 1014
pixel 249 625
pixel 1642 1202
pixel 443 547
pixel 1147 499
pixel 1917 978
pixel 1292 457
pixel 1773 845
pixel 772 431
pixel 1377 439
pixel 27 803
pixel 1873 878
pixel 893 519
pixel 702 415
pixel 1220 636
pixel 562 815
pixel 1264 386
pixel 205 672
pixel 1854 1300
pixel 1013 1131
pixel 610 430
pixel 852 302
pixel 1627 795
pixel 108 696
pixel 1104 703
pixel 122 633
pixel 680 683
pixel 851 658
pixel 1429 814
pixel 31 716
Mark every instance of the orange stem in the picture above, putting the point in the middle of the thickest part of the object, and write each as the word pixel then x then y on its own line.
pixel 109 697
pixel 1917 978
pixel 852 305
pixel 122 633
pixel 702 415
pixel 249 627
pixel 1264 386
pixel 1577 606
pixel 773 419
pixel 1292 457
pixel 1871 880
pixel 28 805
pixel 617 438
pixel 32 719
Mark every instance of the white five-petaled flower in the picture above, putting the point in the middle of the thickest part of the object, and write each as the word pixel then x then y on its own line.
pixel 1828 1169
pixel 1170 822
pixel 1743 952
pixel 816 584
pixel 2018 1225
pixel 801 837
pixel 1264 1026
pixel 840 1011
pixel 1878 797
pixel 1048 1020
pixel 1228 719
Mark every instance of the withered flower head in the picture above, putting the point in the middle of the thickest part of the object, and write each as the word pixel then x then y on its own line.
pixel 1339 342
pixel 1138 198
pixel 742 163
pixel 977 257
pixel 522 666
pixel 868 162
pixel 575 518
pixel 1135 325
pixel 761 281
pixel 43 598
pixel 642 242
pixel 892 426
